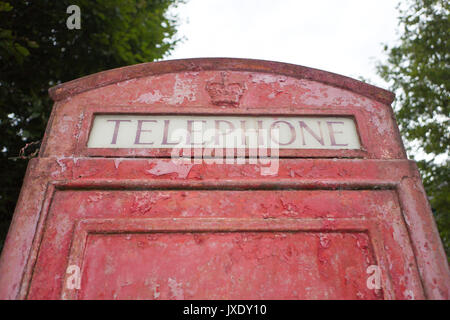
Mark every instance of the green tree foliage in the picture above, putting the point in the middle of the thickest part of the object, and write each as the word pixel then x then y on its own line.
pixel 38 51
pixel 418 70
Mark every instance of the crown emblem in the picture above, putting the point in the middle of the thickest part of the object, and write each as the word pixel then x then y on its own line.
pixel 225 93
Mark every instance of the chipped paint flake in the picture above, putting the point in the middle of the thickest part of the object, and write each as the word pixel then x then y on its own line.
pixel 176 289
pixel 183 89
pixel 150 97
pixel 162 168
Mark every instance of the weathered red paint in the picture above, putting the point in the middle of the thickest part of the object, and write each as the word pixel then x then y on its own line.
pixel 143 227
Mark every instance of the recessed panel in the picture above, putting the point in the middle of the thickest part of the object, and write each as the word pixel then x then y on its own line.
pixel 233 265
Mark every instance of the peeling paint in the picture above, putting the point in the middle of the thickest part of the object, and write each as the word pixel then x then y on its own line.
pixel 163 168
pixel 150 97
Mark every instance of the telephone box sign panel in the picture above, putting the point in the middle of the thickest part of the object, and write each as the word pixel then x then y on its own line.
pixel 163 131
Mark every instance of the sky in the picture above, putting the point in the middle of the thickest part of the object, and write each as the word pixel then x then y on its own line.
pixel 340 36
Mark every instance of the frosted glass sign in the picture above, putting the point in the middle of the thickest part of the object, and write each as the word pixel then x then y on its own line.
pixel 177 131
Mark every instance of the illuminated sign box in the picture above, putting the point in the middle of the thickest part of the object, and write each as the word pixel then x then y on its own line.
pixel 151 131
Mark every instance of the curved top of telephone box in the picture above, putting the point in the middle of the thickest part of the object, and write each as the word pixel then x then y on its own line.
pixel 112 76
pixel 221 86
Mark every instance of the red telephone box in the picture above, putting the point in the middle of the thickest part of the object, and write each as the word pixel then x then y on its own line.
pixel 107 212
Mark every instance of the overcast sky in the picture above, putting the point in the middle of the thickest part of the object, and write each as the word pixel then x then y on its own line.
pixel 341 36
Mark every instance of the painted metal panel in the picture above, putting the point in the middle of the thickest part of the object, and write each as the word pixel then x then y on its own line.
pixel 139 225
pixel 124 229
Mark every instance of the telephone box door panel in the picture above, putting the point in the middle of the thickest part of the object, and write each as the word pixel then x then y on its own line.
pixel 234 244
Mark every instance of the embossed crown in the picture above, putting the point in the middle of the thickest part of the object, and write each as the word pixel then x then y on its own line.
pixel 225 92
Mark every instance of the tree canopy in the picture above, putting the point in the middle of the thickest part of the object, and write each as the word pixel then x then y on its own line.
pixel 37 51
pixel 418 70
